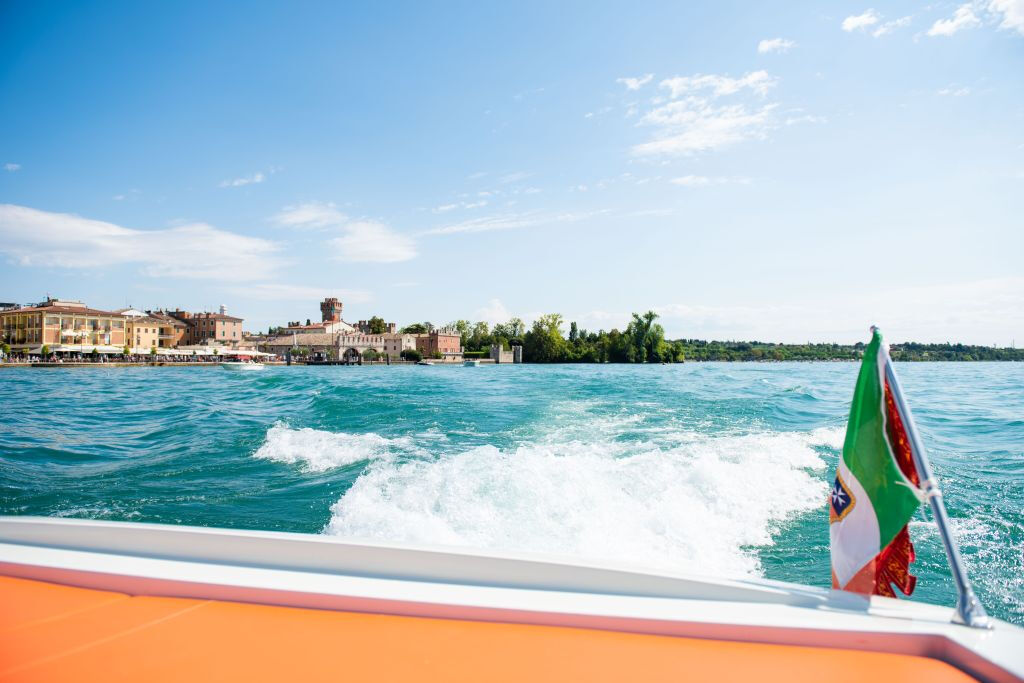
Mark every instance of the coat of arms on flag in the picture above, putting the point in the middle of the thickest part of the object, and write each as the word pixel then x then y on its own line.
pixel 876 489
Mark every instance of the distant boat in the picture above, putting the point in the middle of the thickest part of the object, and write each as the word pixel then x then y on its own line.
pixel 423 362
pixel 242 365
pixel 471 363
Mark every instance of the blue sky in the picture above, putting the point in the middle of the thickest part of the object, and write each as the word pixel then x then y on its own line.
pixel 786 172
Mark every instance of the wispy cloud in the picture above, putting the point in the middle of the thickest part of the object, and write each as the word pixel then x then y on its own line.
pixel 962 18
pixel 494 312
pixel 704 181
pixel 511 221
pixel 32 237
pixel 775 45
pixel 1010 14
pixel 514 177
pixel 369 241
pixel 635 83
pixel 697 120
pixel 890 26
pixel 310 215
pixel 252 179
pixel 12 167
pixel 859 22
pixel 954 92
pixel 445 208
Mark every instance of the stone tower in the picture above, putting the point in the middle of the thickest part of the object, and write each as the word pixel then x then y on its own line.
pixel 330 309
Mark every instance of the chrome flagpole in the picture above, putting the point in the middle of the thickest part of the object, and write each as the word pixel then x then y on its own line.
pixel 969 610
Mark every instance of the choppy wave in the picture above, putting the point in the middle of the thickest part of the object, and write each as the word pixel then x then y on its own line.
pixel 316 451
pixel 703 506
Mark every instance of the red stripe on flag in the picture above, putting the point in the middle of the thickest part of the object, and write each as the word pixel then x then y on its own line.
pixel 898 441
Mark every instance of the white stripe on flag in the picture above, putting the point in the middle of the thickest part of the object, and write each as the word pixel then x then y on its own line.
pixel 855 538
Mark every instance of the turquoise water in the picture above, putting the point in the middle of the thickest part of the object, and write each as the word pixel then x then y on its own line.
pixel 714 468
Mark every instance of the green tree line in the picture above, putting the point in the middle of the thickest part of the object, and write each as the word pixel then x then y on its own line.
pixel 551 340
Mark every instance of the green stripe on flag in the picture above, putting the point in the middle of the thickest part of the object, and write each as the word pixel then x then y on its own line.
pixel 866 450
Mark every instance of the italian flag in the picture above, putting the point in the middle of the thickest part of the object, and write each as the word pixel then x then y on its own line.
pixel 876 489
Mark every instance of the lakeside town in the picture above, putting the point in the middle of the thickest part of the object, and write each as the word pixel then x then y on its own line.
pixel 58 331
pixel 63 330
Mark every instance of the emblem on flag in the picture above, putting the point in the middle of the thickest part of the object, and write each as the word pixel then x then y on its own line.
pixel 841 501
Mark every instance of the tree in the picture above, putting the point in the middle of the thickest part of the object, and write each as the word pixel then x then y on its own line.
pixel 308 322
pixel 5 349
pixel 411 354
pixel 574 332
pixel 370 354
pixel 45 351
pixel 544 342
pixel 377 325
pixel 152 351
pixel 415 328
pixel 95 352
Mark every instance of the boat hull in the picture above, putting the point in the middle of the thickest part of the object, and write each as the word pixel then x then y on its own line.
pixel 301 571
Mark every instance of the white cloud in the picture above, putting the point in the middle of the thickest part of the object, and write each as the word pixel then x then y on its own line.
pixel 758 81
pixel 890 26
pixel 369 241
pixel 274 291
pixel 702 181
pixel 635 83
pixel 196 250
pixel 514 177
pixel 311 215
pixel 962 18
pixel 694 119
pixel 860 21
pixel 1012 14
pixel 257 177
pixel 510 222
pixel 775 45
pixel 12 167
pixel 954 92
pixel 494 312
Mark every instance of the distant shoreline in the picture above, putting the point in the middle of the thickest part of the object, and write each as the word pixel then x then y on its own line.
pixel 409 363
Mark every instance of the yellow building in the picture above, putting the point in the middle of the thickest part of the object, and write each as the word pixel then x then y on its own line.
pixel 146 331
pixel 63 327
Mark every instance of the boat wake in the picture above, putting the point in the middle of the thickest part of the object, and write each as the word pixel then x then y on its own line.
pixel 684 500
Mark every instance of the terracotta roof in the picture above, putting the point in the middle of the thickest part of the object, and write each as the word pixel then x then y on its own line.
pixel 62 309
pixel 213 316
pixel 168 320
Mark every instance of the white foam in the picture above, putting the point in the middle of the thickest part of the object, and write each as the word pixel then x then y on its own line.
pixel 693 502
pixel 317 451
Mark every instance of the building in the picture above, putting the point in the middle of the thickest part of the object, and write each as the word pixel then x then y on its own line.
pixel 203 328
pixel 344 346
pixel 445 343
pixel 326 327
pixel 172 331
pixel 394 344
pixel 142 332
pixel 364 327
pixel 63 326
pixel 330 310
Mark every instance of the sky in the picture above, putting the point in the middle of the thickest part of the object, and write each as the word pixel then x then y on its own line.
pixel 791 171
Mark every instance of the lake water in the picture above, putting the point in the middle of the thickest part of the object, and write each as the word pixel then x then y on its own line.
pixel 713 468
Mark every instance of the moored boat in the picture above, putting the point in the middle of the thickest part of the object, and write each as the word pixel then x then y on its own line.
pixel 242 365
pixel 472 363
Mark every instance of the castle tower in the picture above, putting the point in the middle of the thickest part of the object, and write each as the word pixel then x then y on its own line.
pixel 330 309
